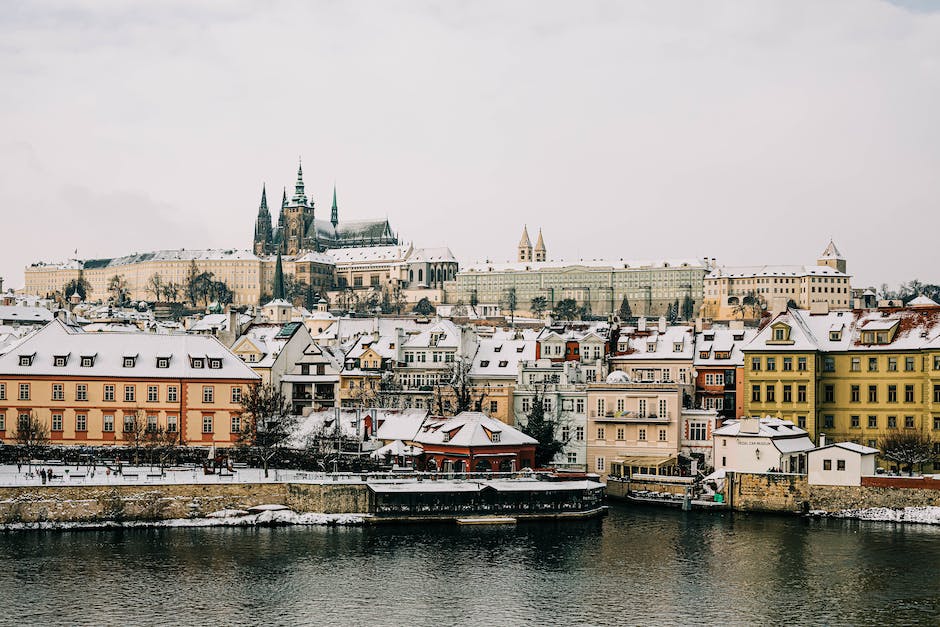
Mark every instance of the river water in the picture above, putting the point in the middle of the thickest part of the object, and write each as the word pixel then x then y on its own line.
pixel 635 567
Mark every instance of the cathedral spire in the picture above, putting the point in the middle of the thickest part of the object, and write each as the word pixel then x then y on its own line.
pixel 264 199
pixel 300 198
pixel 334 213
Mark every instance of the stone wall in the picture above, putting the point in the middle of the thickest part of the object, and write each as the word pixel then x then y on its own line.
pixel 837 498
pixel 160 502
pixel 769 492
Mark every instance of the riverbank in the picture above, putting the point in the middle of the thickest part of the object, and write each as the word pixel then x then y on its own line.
pixel 917 515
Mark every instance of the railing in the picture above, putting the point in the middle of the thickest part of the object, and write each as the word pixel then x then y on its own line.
pixel 631 415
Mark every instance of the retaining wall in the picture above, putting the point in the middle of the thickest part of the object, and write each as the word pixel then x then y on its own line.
pixel 160 502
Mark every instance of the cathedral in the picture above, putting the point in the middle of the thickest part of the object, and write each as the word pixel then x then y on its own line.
pixel 299 231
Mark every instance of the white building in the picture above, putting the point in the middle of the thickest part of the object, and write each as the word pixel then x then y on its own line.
pixel 841 463
pixel 761 445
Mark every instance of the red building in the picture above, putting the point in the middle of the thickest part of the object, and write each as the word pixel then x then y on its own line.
pixel 474 442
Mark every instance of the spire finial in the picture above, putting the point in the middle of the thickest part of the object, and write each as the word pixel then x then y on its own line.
pixel 264 197
pixel 334 214
pixel 300 198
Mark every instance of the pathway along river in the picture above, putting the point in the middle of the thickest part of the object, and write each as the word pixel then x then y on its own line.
pixel 637 566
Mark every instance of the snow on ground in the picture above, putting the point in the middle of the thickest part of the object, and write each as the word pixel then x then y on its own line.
pixel 923 515
pixel 222 518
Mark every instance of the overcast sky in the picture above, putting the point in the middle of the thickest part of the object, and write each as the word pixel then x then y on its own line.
pixel 747 131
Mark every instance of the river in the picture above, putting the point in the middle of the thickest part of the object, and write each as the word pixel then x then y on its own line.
pixel 637 566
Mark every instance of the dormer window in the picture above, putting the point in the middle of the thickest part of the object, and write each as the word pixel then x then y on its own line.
pixel 835 336
pixel 677 347
pixel 447 436
pixel 163 362
pixel 503 364
pixel 494 437
pixel 88 361
pixel 709 337
pixel 484 363
pixel 129 361
pixel 519 349
pixel 197 362
pixel 26 360
pixel 498 348
pixel 703 354
pixel 651 347
pixel 722 355
pixel 780 334
pixel 215 363
pixel 60 361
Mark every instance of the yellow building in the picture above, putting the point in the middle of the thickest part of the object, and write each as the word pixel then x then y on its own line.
pixel 87 387
pixel 854 375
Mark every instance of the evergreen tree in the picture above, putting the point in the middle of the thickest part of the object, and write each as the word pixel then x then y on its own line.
pixel 625 312
pixel 278 279
pixel 539 306
pixel 566 309
pixel 424 307
pixel 688 308
pixel 542 428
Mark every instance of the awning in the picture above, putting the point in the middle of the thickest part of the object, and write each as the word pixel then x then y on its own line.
pixel 646 460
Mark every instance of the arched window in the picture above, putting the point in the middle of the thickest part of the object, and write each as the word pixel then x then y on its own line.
pixel 420 275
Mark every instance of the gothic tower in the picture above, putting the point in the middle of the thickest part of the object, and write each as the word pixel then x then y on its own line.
pixel 264 240
pixel 334 213
pixel 540 252
pixel 296 228
pixel 525 246
pixel 833 258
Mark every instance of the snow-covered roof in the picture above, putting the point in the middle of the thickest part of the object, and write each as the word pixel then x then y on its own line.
pixel 470 429
pixel 747 272
pixel 849 446
pixel 446 332
pixel 267 338
pixel 316 257
pixel 653 344
pixel 216 322
pixel 33 315
pixel 499 357
pixel 384 346
pixel 923 301
pixel 398 448
pixel 555 265
pixel 398 424
pixel 368 254
pixel 209 254
pixel 765 427
pixel 722 340
pixel 432 255
pixel 278 302
pixel 109 351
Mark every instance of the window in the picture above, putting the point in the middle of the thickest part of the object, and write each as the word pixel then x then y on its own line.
pixel 662 435
pixel 892 394
pixel 236 426
pixel 58 392
pixel 207 424
pixel 856 422
pixel 908 422
pixel 771 393
pixel 801 364
pixel 829 364
pixel 3 391
pixel 829 393
pixel 109 392
pixel 873 422
pixel 215 364
pixel 579 434
pixel 936 362
pixel 856 364
pixel 936 423
pixel 801 422
pixel 572 458
pixel 130 393
pixel 642 435
pixel 892 422
pixel 840 464
pixel 129 362
pixel 600 407
pixel 829 421
pixel 59 361
pixel 771 363
pixel 171 424
pixel 600 433
pixel 56 422
pixel 579 405
pixel 87 361
pixel 107 423
pixel 26 360
pixel 620 405
pixel 872 393
pixel 892 364
pixel 698 431
pixel 755 393
pixel 787 393
pixel 172 394
pixel 151 424
pixel 236 395
pixel 526 404
pixel 872 364
pixel 153 394
pixel 788 364
pixel 129 423
pixel 908 393
pixel 827 464
pixel 755 363
pixel 621 432
pixel 24 392
pixel 81 422
pixel 197 362
pixel 163 362
pixel 208 394
pixel 494 407
pixel 565 433
pixel 600 464
pixel 856 396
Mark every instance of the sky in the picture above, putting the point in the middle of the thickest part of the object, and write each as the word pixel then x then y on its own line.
pixel 749 131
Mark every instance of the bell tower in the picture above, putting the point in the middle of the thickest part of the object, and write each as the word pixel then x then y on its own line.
pixel 525 246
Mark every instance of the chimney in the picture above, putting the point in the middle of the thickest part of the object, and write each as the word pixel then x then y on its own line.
pixel 749 425
pixel 699 325
pixel 641 324
pixel 822 440
pixel 662 324
pixel 819 308
pixel 233 329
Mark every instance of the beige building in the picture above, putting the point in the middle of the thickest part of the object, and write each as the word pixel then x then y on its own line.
pixel 746 292
pixel 842 463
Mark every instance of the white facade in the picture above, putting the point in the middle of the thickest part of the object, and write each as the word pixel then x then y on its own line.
pixel 761 445
pixel 843 463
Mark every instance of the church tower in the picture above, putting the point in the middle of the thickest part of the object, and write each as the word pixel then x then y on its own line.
pixel 833 258
pixel 264 239
pixel 334 212
pixel 525 246
pixel 296 228
pixel 540 252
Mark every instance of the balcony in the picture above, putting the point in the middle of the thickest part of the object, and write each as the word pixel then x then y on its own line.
pixel 631 416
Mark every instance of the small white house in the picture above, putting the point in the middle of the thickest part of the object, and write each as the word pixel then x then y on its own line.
pixel 761 445
pixel 842 463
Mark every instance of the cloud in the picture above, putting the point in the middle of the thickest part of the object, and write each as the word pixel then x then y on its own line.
pixel 751 132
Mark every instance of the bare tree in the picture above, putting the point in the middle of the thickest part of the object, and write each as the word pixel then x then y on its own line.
pixel 907 447
pixel 32 434
pixel 456 385
pixel 134 432
pixel 267 422
pixel 155 285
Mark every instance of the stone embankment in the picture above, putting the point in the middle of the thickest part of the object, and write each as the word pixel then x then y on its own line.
pixel 98 503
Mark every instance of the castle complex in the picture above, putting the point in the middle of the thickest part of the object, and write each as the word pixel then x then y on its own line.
pixel 298 230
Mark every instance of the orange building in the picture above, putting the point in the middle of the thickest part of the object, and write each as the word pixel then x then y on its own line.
pixel 89 388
